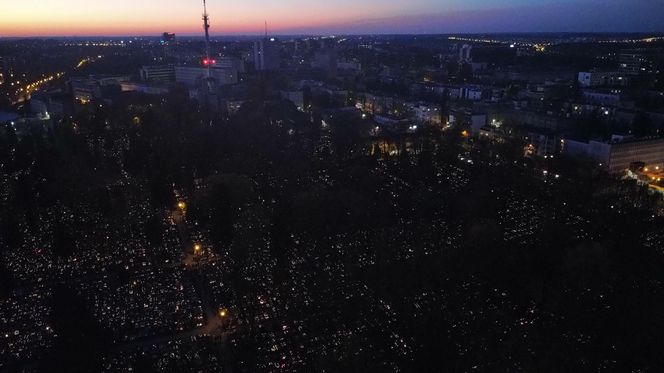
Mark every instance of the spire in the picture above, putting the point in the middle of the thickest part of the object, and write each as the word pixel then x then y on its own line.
pixel 206 27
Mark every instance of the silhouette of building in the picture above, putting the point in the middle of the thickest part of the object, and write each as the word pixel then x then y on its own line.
pixel 158 73
pixel 168 38
pixel 465 53
pixel 266 54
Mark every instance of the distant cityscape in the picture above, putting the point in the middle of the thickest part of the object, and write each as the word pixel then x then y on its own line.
pixel 341 203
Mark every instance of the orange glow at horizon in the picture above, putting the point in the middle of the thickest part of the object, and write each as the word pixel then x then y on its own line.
pixel 140 17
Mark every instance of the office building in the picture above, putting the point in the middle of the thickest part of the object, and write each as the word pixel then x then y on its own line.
pixel 158 73
pixel 634 62
pixel 86 89
pixel 464 54
pixel 168 38
pixel 600 78
pixel 193 76
pixel 148 89
pixel 236 64
pixel 619 153
pixel 543 143
pixel 426 113
pixel 266 55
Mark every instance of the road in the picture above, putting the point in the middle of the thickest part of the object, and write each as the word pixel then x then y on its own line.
pixel 213 323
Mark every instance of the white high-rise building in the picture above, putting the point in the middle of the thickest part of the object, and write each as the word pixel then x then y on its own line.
pixel 464 53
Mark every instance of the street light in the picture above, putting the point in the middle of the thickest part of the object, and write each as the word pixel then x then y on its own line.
pixel 182 205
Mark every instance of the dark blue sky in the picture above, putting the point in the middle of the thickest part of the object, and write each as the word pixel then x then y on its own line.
pixel 519 16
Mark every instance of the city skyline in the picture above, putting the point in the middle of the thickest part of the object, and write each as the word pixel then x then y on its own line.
pixel 124 18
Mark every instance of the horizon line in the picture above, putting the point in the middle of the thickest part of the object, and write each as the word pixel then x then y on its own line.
pixel 195 35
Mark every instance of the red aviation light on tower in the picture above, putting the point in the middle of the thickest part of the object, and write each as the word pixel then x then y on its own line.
pixel 209 62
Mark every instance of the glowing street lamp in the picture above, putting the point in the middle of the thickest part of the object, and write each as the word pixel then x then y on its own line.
pixel 182 205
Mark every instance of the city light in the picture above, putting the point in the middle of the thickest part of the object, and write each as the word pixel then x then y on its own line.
pixel 353 197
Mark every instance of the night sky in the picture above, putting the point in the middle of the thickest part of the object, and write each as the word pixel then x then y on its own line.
pixel 147 17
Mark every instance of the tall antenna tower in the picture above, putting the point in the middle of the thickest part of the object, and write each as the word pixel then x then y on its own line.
pixel 206 27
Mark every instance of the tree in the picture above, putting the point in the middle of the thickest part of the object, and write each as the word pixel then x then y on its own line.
pixel 642 125
pixel 81 342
